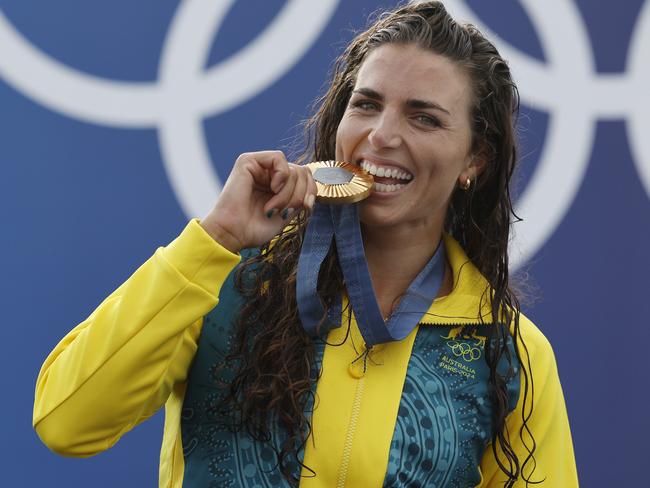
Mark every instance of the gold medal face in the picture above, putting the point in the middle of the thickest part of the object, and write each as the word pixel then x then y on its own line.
pixel 340 183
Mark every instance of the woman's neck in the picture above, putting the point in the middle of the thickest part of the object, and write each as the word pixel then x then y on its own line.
pixel 395 257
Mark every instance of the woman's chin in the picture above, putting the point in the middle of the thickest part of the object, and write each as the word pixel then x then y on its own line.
pixel 373 215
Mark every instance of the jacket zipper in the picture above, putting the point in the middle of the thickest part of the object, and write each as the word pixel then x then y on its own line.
pixel 349 438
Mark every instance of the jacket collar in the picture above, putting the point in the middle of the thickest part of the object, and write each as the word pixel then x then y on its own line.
pixel 469 294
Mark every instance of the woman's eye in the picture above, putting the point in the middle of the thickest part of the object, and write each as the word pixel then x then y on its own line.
pixel 364 105
pixel 428 120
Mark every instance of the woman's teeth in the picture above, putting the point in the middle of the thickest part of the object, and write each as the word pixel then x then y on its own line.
pixel 387 188
pixel 386 172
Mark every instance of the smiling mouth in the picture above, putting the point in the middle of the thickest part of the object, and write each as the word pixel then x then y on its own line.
pixel 388 179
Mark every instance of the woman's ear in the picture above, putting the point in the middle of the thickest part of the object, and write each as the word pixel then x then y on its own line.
pixel 470 173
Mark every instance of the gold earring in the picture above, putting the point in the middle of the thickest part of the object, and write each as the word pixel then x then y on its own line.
pixel 467 184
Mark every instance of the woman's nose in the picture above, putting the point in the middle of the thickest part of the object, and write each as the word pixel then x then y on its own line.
pixel 385 132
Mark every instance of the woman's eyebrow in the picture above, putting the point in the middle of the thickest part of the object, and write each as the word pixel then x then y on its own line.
pixel 370 93
pixel 419 104
pixel 411 103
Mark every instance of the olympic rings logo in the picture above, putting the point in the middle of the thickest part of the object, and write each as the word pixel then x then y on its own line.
pixel 464 350
pixel 567 87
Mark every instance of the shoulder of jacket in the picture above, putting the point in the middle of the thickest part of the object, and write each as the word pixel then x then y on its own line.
pixel 535 343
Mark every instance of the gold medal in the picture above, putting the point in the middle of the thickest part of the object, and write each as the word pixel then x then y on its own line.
pixel 340 183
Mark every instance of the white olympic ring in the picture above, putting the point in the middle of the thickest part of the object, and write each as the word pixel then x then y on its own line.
pixel 575 96
pixel 568 88
pixel 183 95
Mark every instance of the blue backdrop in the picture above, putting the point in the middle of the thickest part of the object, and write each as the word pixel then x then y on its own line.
pixel 119 120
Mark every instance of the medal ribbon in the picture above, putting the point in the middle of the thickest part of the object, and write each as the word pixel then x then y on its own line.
pixel 340 223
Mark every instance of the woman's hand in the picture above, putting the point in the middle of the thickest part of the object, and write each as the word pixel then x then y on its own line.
pixel 262 192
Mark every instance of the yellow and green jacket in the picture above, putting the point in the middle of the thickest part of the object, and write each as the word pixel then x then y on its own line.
pixel 415 413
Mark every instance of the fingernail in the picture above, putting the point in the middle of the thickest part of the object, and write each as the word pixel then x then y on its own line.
pixel 271 212
pixel 286 212
pixel 310 201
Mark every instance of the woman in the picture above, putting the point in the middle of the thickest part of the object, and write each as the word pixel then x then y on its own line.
pixel 470 397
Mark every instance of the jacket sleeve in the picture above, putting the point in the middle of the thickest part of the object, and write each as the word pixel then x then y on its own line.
pixel 118 366
pixel 554 461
